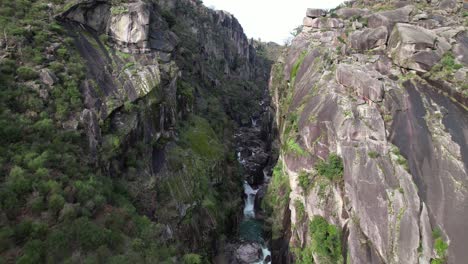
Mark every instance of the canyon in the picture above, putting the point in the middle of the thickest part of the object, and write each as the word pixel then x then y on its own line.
pixel 155 131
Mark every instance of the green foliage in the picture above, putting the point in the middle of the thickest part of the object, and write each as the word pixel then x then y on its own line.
pixel 373 154
pixel 169 17
pixel 89 235
pixel 296 67
pixel 448 61
pixel 19 181
pixel 293 147
pixel 326 240
pixel 440 247
pixel 445 68
pixel 56 202
pixel 118 10
pixel 277 199
pixel 185 92
pixel 332 168
pixel 34 252
pixel 304 180
pixel 300 209
pixel 399 158
pixel 201 138
pixel 304 255
pixel 27 73
pixel 192 259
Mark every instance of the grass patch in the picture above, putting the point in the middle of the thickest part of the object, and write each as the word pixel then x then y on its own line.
pixel 445 68
pixel 297 66
pixel 293 147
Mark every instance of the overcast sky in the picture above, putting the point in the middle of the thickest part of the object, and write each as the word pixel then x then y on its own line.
pixel 270 20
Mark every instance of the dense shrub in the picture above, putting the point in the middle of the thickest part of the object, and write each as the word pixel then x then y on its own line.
pixel 326 240
pixel 332 168
pixel 56 202
pixel 192 259
pixel 304 180
pixel 89 235
pixel 26 73
pixel 440 247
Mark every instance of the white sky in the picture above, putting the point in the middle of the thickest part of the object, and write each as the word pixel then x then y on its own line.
pixel 270 20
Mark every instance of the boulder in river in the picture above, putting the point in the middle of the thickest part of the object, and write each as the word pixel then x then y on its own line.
pixel 249 253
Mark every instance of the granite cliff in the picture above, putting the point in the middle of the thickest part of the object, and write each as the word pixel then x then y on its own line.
pixel 371 106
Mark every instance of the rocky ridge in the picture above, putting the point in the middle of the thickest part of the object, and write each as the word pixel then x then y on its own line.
pixel 381 88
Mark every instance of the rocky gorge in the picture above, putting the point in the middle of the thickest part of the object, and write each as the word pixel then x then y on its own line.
pixel 155 131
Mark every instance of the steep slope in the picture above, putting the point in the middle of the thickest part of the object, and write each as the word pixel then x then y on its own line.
pixel 371 106
pixel 117 129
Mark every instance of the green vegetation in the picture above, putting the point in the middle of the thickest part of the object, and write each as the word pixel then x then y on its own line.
pixel 304 180
pixel 300 209
pixel 332 169
pixel 26 74
pixel 440 247
pixel 304 255
pixel 373 154
pixel 192 259
pixel 326 240
pixel 296 67
pixel 118 10
pixel 201 138
pixel 399 158
pixel 56 201
pixel 293 147
pixel 277 199
pixel 445 68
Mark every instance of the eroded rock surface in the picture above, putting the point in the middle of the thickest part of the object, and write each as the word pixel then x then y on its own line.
pixel 385 99
pixel 416 48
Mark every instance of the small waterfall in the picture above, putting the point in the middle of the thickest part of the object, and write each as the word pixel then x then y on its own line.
pixel 251 228
pixel 249 210
pixel 266 253
pixel 249 213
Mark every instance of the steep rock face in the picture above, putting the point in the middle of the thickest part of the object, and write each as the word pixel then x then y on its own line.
pixel 340 96
pixel 130 108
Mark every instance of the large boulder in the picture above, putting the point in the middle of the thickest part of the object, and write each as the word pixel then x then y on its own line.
pixel 369 38
pixel 460 49
pixel 164 41
pixel 314 13
pixel 129 26
pixel 94 14
pixel 47 77
pixel 323 23
pixel 249 253
pixel 416 48
pixel 365 85
pixel 126 23
pixel 347 13
pixel 448 5
pixel 390 18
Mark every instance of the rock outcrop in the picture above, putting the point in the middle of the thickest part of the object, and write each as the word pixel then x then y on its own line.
pixel 416 48
pixel 389 101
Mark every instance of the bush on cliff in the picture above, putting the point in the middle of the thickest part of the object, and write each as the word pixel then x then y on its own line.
pixel 332 168
pixel 326 240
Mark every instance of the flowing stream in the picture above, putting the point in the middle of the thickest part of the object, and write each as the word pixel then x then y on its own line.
pixel 251 228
